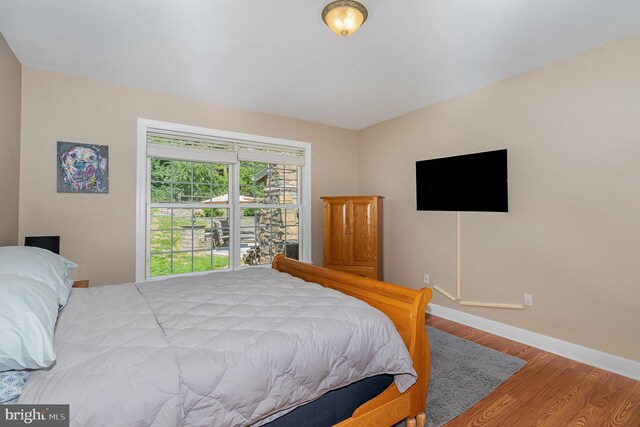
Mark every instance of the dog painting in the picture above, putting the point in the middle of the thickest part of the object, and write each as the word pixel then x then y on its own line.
pixel 83 168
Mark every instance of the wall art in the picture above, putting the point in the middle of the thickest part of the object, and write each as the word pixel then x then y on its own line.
pixel 82 168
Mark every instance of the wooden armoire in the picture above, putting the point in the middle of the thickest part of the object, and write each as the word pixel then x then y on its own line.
pixel 352 235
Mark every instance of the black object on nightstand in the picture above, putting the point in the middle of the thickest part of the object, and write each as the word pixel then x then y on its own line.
pixel 51 243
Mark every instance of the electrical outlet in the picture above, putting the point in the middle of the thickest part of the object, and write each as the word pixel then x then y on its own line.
pixel 528 299
pixel 426 278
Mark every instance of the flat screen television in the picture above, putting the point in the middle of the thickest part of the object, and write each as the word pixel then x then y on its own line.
pixel 471 182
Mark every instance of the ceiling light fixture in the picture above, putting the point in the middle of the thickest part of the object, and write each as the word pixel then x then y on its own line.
pixel 344 17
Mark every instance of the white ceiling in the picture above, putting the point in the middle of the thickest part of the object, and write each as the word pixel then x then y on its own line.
pixel 277 56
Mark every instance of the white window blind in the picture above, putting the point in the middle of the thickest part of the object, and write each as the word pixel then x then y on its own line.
pixel 186 146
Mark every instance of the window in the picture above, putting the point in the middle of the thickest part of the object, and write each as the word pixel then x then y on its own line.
pixel 187 239
pixel 214 200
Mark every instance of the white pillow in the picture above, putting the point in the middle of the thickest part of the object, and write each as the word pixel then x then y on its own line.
pixel 28 313
pixel 41 265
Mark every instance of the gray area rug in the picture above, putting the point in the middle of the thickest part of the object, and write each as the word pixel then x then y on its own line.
pixel 462 374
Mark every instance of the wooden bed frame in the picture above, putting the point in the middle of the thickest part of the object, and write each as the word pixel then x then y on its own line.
pixel 406 309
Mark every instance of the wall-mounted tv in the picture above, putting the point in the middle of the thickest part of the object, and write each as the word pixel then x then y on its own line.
pixel 471 182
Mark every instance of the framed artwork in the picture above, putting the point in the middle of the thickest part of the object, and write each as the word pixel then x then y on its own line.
pixel 82 168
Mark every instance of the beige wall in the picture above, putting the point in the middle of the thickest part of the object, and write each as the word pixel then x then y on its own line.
pixel 572 234
pixel 10 90
pixel 97 230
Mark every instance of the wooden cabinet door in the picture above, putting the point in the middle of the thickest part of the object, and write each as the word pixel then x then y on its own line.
pixel 362 232
pixel 352 235
pixel 336 232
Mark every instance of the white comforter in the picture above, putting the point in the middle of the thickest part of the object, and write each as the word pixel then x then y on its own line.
pixel 225 349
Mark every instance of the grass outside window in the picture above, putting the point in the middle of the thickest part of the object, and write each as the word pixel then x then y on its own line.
pixel 167 232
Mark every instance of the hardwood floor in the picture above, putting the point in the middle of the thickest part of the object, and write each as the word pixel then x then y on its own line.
pixel 549 391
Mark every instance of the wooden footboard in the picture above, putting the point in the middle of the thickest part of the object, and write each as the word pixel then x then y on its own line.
pixel 406 309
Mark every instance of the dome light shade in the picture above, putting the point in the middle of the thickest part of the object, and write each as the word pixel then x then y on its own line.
pixel 344 17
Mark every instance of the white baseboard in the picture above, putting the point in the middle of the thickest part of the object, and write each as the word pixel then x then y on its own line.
pixel 609 362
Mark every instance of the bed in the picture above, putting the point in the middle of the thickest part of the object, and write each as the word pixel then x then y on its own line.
pixel 150 352
pixel 406 308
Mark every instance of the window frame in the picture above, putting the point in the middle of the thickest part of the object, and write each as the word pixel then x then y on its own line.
pixel 143 203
